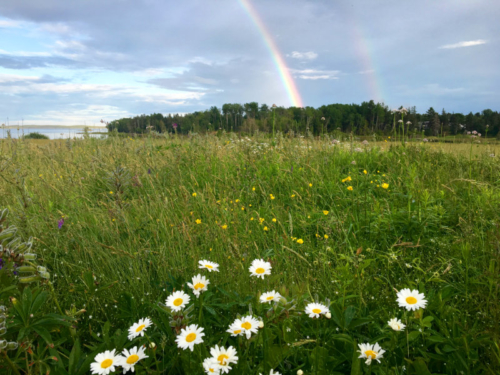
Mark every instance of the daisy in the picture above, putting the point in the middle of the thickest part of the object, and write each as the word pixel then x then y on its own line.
pixel 250 325
pixel 269 297
pixel 260 268
pixel 210 266
pixel 105 362
pixel 224 357
pixel 273 372
pixel 189 337
pixel 211 366
pixel 396 324
pixel 235 329
pixel 138 328
pixel 411 299
pixel 177 300
pixel 199 284
pixel 370 352
pixel 130 358
pixel 314 310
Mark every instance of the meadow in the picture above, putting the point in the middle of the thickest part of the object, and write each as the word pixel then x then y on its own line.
pixel 120 224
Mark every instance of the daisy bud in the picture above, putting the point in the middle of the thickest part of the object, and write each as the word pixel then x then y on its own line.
pixel 328 315
pixel 152 345
pixel 261 324
pixel 300 372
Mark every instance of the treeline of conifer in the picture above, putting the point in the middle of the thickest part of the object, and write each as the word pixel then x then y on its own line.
pixel 364 119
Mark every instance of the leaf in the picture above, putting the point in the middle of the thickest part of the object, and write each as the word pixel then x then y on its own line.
pixel 349 314
pixel 420 367
pixel 413 335
pixel 356 362
pixel 44 334
pixel 40 299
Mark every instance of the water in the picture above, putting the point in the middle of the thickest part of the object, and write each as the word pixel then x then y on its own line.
pixel 61 132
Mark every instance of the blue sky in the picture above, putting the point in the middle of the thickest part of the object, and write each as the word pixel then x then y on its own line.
pixel 75 62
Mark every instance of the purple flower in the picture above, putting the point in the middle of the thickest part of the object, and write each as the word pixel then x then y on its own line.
pixel 174 125
pixel 149 170
pixel 60 223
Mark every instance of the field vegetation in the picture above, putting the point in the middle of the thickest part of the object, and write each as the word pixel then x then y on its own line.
pixel 119 224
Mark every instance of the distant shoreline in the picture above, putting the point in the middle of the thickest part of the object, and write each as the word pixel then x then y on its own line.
pixel 51 127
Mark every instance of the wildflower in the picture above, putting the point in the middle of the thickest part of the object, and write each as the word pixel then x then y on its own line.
pixel 325 212
pixel 224 226
pixel 300 372
pixel 354 162
pixel 314 310
pixel 348 178
pixel 269 297
pixel 131 357
pixel 199 284
pixel 272 196
pixel 105 362
pixel 189 337
pixel 261 324
pixel 138 328
pixel 177 300
pixel 274 220
pixel 292 196
pixel 261 220
pixel 110 192
pixel 300 241
pixel 411 299
pixel 266 229
pixel 224 357
pixel 251 219
pixel 60 223
pixel 260 268
pixel 325 236
pixel 310 185
pixel 211 366
pixel 198 221
pixel 365 172
pixel 365 142
pixel 350 188
pixel 253 189
pixel 235 328
pixel 328 315
pixel 396 324
pixel 370 352
pixel 385 186
pixel 210 266
pixel 250 325
pixel 194 194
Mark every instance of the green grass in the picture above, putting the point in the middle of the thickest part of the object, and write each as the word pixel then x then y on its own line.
pixel 130 208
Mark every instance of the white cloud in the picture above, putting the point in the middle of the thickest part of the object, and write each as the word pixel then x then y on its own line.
pixel 464 44
pixel 9 23
pixel 24 53
pixel 303 55
pixel 314 74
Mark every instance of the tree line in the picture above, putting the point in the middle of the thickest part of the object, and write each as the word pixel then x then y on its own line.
pixel 364 119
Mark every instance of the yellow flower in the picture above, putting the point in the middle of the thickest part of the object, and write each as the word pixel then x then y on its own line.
pixel 365 172
pixel 266 229
pixel 253 189
pixel 326 236
pixel 317 235
pixel 261 220
pixel 224 226
pixel 385 186
pixel 237 200
pixel 271 196
pixel 310 185
pixel 371 182
pixel 300 241
pixel 194 194
pixel 110 192
pixel 325 212
pixel 198 221
pixel 249 205
pixel 348 178
pixel 389 137
pixel 293 195
pixel 350 188
pixel 251 219
pixel 274 220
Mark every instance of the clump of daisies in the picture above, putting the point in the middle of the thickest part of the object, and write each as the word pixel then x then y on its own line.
pixel 411 299
pixel 189 337
pixel 315 310
pixel 138 328
pixel 260 268
pixel 224 357
pixel 210 266
pixel 199 284
pixel 246 325
pixel 177 300
pixel 370 352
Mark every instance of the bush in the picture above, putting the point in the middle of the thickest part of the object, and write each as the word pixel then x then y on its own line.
pixel 35 135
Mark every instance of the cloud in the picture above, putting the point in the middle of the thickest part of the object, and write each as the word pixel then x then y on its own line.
pixel 464 44
pixel 9 24
pixel 314 74
pixel 303 55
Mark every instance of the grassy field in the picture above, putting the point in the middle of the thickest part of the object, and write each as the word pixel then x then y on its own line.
pixel 122 223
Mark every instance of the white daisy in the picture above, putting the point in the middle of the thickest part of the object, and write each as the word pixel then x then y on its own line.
pixel 130 358
pixel 411 299
pixel 177 300
pixel 189 337
pixel 210 266
pixel 260 268
pixel 224 357
pixel 370 352
pixel 235 328
pixel 273 373
pixel 211 366
pixel 105 362
pixel 314 310
pixel 270 296
pixel 199 284
pixel 138 328
pixel 396 324
pixel 250 325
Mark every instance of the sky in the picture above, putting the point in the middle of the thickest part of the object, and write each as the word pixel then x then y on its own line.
pixel 77 62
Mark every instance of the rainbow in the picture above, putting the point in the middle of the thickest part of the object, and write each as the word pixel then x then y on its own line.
pixel 284 72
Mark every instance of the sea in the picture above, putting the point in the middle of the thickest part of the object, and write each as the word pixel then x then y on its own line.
pixel 59 132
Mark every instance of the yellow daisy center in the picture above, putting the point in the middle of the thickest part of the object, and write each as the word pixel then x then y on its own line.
pixel 199 286
pixel 237 332
pixel 208 266
pixel 260 270
pixel 270 298
pixel 371 353
pixel 316 311
pixel 106 363
pixel 246 325
pixel 178 302
pixel 132 359
pixel 222 359
pixel 140 328
pixel 191 337
pixel 411 300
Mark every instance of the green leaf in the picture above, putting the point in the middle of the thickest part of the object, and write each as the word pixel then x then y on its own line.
pixel 420 367
pixel 356 362
pixel 349 314
pixel 44 334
